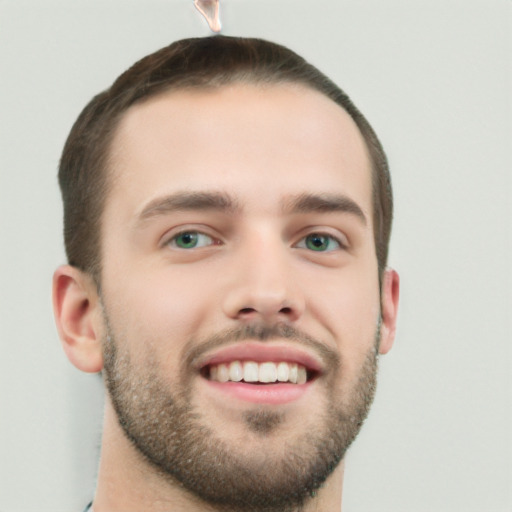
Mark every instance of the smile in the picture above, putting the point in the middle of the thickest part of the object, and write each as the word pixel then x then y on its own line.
pixel 258 373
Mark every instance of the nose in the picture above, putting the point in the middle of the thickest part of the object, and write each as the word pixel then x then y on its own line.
pixel 262 284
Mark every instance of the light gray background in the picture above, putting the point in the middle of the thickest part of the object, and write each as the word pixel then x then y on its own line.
pixel 433 77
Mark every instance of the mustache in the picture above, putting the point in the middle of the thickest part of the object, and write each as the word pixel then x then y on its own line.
pixel 260 332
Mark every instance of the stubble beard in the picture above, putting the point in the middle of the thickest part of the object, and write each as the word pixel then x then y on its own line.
pixel 175 438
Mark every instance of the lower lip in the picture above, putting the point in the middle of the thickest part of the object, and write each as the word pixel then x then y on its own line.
pixel 274 394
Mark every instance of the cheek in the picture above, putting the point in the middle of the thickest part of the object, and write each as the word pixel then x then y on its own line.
pixel 347 301
pixel 348 305
pixel 160 310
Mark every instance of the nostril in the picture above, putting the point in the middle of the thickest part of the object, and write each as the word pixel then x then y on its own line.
pixel 249 312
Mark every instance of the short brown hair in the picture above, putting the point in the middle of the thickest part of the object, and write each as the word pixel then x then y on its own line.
pixel 190 63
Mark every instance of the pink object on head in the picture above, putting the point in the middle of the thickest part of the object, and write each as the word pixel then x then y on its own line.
pixel 210 10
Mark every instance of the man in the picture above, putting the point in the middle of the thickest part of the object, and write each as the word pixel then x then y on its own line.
pixel 227 215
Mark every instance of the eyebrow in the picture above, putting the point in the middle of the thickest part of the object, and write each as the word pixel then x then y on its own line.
pixel 187 201
pixel 197 201
pixel 307 203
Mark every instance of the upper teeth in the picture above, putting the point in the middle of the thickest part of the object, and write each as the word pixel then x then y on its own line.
pixel 250 371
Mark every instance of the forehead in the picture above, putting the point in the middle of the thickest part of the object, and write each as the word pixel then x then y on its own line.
pixel 258 142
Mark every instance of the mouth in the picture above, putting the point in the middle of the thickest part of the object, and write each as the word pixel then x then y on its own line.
pixel 260 373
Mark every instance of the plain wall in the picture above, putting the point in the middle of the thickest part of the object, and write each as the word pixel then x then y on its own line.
pixel 434 79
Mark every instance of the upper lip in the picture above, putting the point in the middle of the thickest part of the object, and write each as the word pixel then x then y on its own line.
pixel 260 353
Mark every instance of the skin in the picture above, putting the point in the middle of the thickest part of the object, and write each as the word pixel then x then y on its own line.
pixel 262 146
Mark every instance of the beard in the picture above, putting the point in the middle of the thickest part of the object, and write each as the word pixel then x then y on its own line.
pixel 176 439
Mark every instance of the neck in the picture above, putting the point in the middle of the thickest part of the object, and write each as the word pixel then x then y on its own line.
pixel 128 483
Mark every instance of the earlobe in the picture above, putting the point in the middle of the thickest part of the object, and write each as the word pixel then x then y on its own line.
pixel 389 301
pixel 77 312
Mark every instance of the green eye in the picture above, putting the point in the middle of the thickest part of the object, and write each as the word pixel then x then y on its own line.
pixel 191 240
pixel 319 243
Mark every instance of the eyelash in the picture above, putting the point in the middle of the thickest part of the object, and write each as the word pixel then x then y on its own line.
pixel 198 236
pixel 302 244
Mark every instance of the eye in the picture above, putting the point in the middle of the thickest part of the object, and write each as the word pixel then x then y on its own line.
pixel 319 242
pixel 191 240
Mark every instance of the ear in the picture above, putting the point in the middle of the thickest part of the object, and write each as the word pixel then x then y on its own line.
pixel 389 301
pixel 78 316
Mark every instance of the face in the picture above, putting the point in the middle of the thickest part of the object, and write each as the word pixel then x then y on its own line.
pixel 240 290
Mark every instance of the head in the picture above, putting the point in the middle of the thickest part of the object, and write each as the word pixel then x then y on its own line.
pixel 189 64
pixel 227 217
